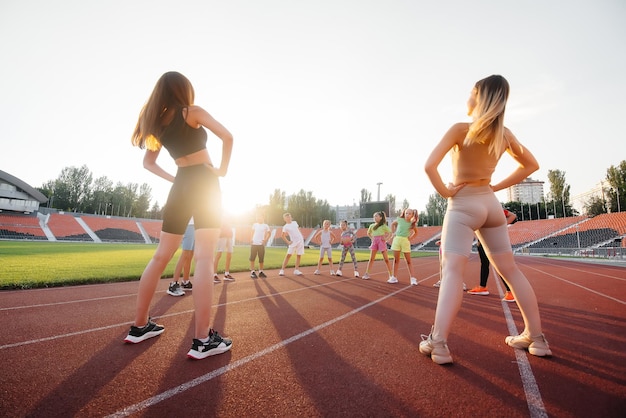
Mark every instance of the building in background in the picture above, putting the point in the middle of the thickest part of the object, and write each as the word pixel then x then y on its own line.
pixel 527 191
pixel 17 196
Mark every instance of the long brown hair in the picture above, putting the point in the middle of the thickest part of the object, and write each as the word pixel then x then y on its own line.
pixel 383 220
pixel 488 125
pixel 172 90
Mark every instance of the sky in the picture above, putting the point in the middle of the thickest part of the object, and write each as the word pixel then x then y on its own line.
pixel 326 96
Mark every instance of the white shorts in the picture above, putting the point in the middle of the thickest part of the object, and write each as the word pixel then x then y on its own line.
pixel 225 244
pixel 296 247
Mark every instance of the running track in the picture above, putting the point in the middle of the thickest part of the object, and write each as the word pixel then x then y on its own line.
pixel 320 346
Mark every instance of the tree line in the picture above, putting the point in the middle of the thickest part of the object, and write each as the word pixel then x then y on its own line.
pixel 75 190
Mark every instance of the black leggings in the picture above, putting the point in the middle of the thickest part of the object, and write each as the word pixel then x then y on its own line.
pixel 484 268
pixel 195 192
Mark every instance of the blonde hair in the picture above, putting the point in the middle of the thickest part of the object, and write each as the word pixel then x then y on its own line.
pixel 172 90
pixel 488 114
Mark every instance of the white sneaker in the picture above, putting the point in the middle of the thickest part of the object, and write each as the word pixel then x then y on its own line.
pixel 316 272
pixel 281 272
pixel 356 274
pixel 339 273
pixel 297 272
pixel 392 280
pixel 413 281
pixel 332 272
pixel 366 276
pixel 438 284
pixel 174 289
pixel 437 350
pixel 537 346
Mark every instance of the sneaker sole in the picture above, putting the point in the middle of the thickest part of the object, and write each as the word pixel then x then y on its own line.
pixel 441 359
pixel 427 350
pixel 195 355
pixel 175 294
pixel 134 340
pixel 540 352
pixel 478 293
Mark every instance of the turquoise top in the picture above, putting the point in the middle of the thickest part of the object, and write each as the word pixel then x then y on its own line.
pixel 404 227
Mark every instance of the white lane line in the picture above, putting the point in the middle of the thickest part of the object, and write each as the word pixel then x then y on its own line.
pixel 67 302
pixel 592 271
pixel 126 324
pixel 133 409
pixel 535 404
pixel 578 285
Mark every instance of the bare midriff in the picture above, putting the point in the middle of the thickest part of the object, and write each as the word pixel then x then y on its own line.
pixel 196 158
pixel 478 183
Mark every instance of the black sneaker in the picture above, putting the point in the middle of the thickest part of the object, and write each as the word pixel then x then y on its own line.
pixel 216 279
pixel 187 285
pixel 174 289
pixel 228 278
pixel 253 274
pixel 216 345
pixel 137 335
pixel 262 275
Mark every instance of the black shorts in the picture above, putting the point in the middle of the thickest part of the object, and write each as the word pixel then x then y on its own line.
pixel 195 192
pixel 257 250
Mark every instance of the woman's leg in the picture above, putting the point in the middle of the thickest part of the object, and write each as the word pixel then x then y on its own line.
pixel 450 294
pixel 168 244
pixel 206 241
pixel 522 291
pixel 456 240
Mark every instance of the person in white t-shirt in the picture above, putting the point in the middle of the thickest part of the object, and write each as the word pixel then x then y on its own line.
pixel 260 235
pixel 295 242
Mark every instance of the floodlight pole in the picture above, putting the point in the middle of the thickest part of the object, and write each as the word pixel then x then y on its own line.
pixel 378 184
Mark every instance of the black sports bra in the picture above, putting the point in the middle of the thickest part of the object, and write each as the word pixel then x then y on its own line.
pixel 180 139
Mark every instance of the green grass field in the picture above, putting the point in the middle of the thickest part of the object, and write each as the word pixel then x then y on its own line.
pixel 27 265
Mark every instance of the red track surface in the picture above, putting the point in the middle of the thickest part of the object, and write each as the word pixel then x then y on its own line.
pixel 319 346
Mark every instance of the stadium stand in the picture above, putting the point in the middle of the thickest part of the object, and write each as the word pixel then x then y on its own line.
pixel 152 228
pixel 16 226
pixel 426 234
pixel 114 229
pixel 243 235
pixel 601 230
pixel 65 228
pixel 576 233
pixel 523 233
